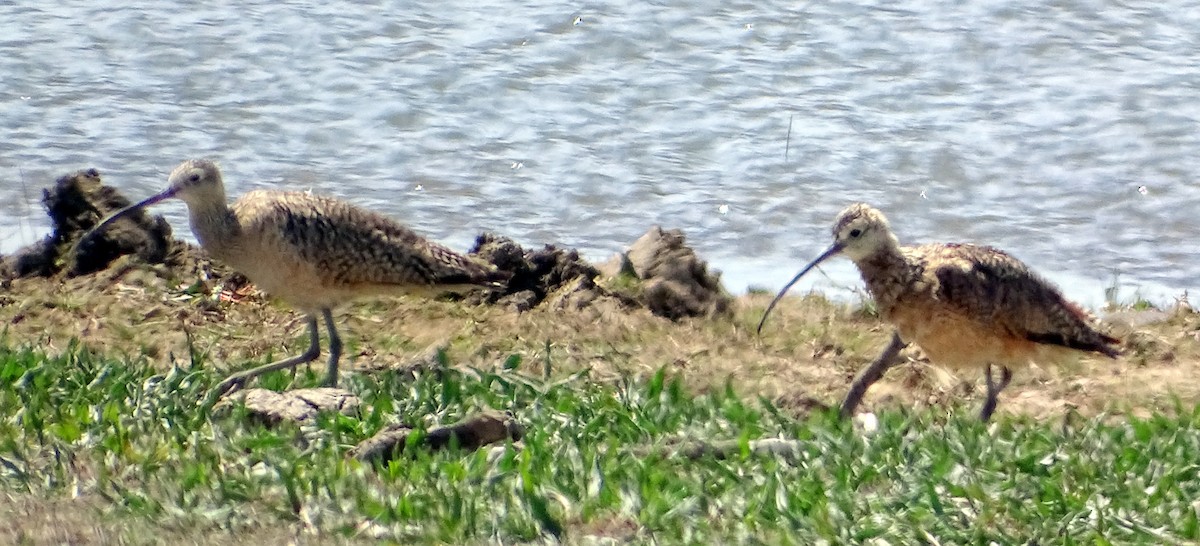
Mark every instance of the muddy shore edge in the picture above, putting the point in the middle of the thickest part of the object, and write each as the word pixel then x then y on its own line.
pixel 138 291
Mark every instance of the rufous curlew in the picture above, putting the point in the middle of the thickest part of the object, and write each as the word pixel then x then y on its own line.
pixel 964 305
pixel 312 252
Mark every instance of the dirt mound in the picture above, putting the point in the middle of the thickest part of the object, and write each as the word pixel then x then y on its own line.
pixel 668 278
pixel 76 203
pixel 550 273
pixel 675 283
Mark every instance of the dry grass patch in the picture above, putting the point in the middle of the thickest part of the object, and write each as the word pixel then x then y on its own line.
pixel 810 350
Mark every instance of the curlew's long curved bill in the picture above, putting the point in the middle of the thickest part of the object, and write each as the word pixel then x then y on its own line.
pixel 165 194
pixel 829 252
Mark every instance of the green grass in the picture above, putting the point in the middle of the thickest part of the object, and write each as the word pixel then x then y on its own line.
pixel 137 438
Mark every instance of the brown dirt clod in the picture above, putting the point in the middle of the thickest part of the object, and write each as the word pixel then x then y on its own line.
pixel 675 283
pixel 76 203
pixel 296 405
pixel 550 274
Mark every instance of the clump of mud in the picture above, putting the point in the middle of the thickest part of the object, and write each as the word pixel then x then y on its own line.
pixel 76 203
pixel 673 281
pixel 659 272
pixel 550 273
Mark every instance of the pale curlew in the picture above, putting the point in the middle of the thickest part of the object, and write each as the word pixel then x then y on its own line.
pixel 964 305
pixel 312 252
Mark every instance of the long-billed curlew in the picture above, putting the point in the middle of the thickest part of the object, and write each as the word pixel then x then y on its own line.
pixel 965 305
pixel 312 252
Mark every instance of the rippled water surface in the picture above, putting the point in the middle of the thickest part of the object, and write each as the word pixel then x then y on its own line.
pixel 1027 125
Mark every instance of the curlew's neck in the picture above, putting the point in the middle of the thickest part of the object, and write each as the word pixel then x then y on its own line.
pixel 886 272
pixel 216 227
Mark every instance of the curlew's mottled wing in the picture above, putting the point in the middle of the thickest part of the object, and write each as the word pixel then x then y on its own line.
pixel 1001 291
pixel 352 246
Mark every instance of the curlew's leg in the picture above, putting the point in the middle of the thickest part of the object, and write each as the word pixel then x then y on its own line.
pixel 993 390
pixel 238 380
pixel 870 375
pixel 335 349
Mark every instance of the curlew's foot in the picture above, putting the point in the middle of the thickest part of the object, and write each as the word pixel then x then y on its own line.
pixel 230 385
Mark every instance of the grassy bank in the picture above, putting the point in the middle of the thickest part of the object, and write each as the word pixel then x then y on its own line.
pixel 103 437
pixel 93 448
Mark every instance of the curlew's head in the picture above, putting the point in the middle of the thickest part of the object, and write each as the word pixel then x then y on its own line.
pixel 196 181
pixel 860 231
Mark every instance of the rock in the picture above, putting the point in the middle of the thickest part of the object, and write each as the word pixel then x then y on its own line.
pixel 298 405
pixel 469 434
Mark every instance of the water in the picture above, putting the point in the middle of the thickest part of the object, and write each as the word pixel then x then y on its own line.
pixel 1030 126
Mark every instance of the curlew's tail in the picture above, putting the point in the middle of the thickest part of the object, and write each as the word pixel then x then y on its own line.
pixel 1077 329
pixel 1099 343
pixel 470 275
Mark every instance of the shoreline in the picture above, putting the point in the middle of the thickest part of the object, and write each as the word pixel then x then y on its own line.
pixel 670 311
pixel 841 284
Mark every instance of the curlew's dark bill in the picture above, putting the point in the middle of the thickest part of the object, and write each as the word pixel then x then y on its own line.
pixel 830 252
pixel 165 194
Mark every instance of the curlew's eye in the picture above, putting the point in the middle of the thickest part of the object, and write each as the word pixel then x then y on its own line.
pixel 855 232
pixel 194 178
